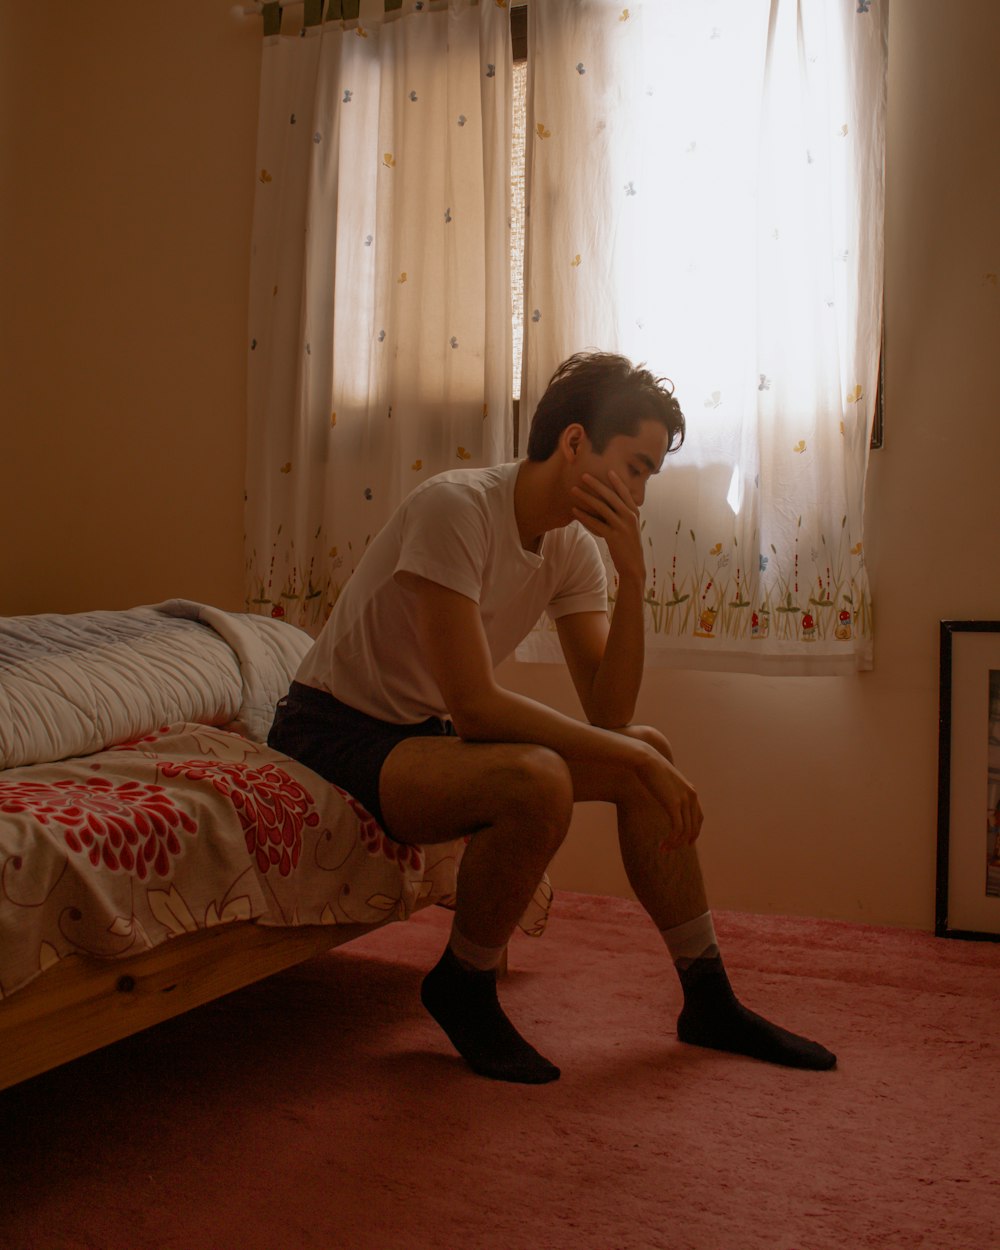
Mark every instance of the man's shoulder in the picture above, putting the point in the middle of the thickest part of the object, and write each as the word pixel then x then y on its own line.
pixel 574 541
pixel 477 479
pixel 457 485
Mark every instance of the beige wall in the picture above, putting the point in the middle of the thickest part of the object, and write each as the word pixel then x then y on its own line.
pixel 128 148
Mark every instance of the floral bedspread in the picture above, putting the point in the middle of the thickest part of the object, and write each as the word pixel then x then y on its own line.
pixel 139 802
pixel 188 827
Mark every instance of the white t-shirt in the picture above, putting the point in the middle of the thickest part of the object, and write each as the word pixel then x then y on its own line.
pixel 457 529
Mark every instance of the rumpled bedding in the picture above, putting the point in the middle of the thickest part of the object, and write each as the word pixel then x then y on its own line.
pixel 138 801
pixel 78 683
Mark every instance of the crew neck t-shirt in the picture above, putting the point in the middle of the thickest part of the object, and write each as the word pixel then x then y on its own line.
pixel 457 529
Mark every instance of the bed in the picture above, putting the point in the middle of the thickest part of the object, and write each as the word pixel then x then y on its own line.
pixel 154 852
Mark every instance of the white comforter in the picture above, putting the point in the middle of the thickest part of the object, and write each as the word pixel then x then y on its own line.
pixel 71 685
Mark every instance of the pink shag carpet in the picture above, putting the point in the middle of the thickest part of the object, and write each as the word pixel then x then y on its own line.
pixel 323 1110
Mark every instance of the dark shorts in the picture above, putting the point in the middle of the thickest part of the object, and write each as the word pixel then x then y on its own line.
pixel 340 743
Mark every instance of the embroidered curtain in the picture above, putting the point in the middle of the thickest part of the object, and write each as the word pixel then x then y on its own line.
pixel 380 329
pixel 705 193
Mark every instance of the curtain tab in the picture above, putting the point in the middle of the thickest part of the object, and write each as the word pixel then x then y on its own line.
pixel 312 12
pixel 271 15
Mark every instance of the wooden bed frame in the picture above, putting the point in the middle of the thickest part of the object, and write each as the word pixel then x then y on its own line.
pixel 83 1003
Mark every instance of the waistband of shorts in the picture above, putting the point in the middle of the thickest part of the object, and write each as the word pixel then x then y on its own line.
pixel 324 703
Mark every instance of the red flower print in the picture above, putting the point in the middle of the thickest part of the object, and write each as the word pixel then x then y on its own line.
pixel 133 744
pixel 130 827
pixel 271 805
pixel 377 842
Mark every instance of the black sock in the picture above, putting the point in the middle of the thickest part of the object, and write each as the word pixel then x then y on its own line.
pixel 464 1003
pixel 713 1016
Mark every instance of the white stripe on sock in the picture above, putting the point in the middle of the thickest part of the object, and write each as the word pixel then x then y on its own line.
pixel 482 957
pixel 692 939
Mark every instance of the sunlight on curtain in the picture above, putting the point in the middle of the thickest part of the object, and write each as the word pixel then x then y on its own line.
pixel 380 331
pixel 705 191
pixel 517 208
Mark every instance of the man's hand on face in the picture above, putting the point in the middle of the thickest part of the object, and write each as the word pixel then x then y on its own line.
pixel 610 512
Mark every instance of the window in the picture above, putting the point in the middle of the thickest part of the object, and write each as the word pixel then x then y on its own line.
pixel 519 42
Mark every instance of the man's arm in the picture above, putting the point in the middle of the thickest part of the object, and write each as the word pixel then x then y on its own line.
pixel 606 661
pixel 453 646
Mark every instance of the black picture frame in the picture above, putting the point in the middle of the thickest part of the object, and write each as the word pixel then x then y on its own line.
pixel 964 907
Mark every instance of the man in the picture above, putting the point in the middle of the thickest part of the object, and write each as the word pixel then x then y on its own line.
pixel 397 703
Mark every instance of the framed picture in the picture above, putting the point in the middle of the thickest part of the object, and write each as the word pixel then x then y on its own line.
pixel 968 849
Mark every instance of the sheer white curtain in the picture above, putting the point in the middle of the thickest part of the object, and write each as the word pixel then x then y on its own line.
pixel 705 192
pixel 380 331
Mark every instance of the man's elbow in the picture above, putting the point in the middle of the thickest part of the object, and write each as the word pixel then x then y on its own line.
pixel 475 720
pixel 603 717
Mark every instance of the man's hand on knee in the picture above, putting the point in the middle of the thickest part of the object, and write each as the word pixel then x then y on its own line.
pixel 677 797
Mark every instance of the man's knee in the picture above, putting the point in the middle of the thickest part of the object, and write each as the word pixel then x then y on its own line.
pixel 536 782
pixel 652 737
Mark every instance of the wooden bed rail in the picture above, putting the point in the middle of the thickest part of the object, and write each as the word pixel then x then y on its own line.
pixel 82 1003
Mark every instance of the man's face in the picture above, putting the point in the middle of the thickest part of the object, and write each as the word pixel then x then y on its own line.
pixel 635 458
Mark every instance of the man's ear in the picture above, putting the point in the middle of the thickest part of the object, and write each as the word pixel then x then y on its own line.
pixel 573 441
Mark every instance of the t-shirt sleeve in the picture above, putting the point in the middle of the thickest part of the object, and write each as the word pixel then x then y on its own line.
pixel 584 585
pixel 445 539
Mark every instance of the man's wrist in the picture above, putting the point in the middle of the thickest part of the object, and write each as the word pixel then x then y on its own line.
pixel 631 579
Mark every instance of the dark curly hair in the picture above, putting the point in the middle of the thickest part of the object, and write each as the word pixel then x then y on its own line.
pixel 607 395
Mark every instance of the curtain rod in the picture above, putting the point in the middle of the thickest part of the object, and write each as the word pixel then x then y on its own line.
pixel 314 14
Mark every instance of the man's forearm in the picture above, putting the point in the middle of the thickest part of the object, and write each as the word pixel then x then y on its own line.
pixel 616 683
pixel 457 654
pixel 503 716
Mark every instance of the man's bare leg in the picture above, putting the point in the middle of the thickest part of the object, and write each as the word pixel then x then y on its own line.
pixel 517 801
pixel 668 883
